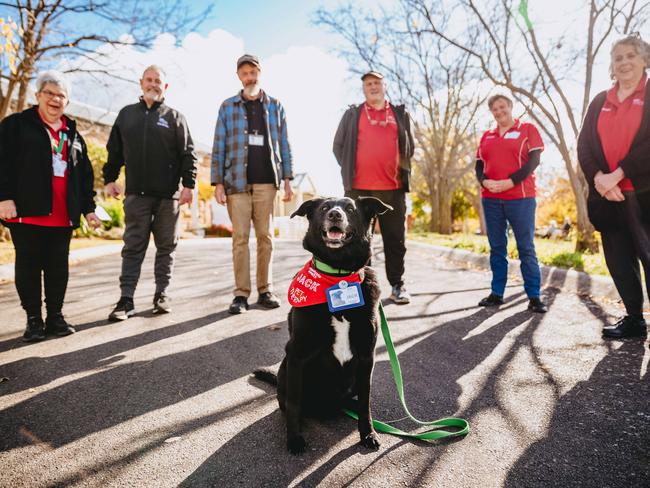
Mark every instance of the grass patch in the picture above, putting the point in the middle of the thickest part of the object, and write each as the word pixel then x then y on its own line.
pixel 550 252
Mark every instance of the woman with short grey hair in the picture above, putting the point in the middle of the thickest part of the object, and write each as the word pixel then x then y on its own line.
pixel 614 153
pixel 46 184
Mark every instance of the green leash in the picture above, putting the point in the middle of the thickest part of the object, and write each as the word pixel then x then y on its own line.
pixel 430 435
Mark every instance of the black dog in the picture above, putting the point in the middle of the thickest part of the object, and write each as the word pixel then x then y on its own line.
pixel 330 355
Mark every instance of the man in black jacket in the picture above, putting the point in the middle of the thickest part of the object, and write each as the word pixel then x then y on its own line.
pixel 373 145
pixel 153 141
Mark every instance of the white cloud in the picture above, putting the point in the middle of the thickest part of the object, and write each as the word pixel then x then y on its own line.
pixel 314 87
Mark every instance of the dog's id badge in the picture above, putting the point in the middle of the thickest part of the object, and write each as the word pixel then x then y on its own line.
pixel 255 140
pixel 58 165
pixel 343 296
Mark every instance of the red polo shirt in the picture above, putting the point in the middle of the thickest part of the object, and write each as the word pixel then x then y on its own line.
pixel 377 166
pixel 504 154
pixel 59 216
pixel 618 123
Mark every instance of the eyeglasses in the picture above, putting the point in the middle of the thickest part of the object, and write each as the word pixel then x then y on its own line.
pixel 52 95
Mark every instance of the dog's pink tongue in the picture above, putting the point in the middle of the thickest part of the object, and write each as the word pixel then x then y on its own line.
pixel 333 234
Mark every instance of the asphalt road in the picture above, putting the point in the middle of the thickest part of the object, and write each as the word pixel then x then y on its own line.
pixel 164 401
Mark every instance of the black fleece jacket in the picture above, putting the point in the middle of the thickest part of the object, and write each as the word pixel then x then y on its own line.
pixel 26 167
pixel 636 165
pixel 156 146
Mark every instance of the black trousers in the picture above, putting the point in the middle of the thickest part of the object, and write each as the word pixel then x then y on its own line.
pixel 624 248
pixel 393 230
pixel 45 250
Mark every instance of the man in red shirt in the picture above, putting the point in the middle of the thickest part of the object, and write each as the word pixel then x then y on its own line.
pixel 373 145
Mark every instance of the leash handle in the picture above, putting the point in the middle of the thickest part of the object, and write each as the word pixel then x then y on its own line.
pixel 433 434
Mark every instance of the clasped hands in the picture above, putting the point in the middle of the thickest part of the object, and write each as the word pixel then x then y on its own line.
pixel 498 186
pixel 607 185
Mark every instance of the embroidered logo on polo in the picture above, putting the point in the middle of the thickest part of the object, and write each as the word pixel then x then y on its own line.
pixel 512 135
pixel 311 287
pixel 637 101
pixel 163 123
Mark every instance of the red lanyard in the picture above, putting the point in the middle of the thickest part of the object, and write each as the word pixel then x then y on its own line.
pixel 382 123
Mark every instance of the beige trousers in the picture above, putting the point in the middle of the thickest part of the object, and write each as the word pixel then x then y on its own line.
pixel 256 205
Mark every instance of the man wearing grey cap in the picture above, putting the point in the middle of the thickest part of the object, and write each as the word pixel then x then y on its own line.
pixel 373 145
pixel 251 158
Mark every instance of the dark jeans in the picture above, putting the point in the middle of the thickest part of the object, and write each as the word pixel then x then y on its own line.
pixel 393 230
pixel 145 216
pixel 45 250
pixel 623 248
pixel 520 213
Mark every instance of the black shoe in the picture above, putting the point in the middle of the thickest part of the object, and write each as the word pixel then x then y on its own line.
pixel 491 300
pixel 35 330
pixel 123 310
pixel 628 326
pixel 536 305
pixel 238 305
pixel 56 325
pixel 399 295
pixel 268 300
pixel 162 303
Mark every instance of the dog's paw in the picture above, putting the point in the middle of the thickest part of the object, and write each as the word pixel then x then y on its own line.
pixel 296 444
pixel 370 441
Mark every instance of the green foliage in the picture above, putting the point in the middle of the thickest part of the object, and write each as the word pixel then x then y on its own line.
pixel 571 260
pixel 461 207
pixel 420 215
pixel 98 157
pixel 115 209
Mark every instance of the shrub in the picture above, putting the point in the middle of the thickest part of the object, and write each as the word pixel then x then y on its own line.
pixel 568 260
pixel 115 209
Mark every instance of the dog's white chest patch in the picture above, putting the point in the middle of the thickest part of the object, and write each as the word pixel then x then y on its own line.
pixel 341 347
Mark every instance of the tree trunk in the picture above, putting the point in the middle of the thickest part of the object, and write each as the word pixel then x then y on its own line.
pixel 586 239
pixel 444 212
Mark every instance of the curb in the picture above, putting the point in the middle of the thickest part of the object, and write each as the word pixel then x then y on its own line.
pixel 552 277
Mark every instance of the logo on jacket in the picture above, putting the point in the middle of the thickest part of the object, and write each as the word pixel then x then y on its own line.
pixel 163 123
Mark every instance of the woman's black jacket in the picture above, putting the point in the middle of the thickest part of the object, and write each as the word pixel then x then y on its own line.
pixel 636 165
pixel 26 167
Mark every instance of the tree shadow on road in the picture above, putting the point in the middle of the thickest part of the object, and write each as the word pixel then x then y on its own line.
pixel 600 431
pixel 107 398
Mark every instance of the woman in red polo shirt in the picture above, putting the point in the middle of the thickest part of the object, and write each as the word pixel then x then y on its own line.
pixel 46 183
pixel 614 153
pixel 505 161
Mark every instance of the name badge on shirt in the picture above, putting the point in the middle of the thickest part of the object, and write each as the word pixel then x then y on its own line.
pixel 343 296
pixel 255 140
pixel 512 135
pixel 58 165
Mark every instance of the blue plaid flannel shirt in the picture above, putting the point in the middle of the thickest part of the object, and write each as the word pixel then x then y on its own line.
pixel 230 149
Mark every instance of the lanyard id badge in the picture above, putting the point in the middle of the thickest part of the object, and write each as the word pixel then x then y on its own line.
pixel 59 165
pixel 343 296
pixel 255 139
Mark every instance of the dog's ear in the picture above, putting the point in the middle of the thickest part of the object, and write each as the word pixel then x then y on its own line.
pixel 372 206
pixel 308 207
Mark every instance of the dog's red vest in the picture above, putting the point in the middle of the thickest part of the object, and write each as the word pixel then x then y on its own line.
pixel 309 285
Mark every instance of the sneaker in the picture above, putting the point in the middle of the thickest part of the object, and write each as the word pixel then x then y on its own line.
pixel 123 310
pixel 35 330
pixel 56 325
pixel 628 326
pixel 399 295
pixel 492 300
pixel 162 303
pixel 268 300
pixel 238 305
pixel 536 305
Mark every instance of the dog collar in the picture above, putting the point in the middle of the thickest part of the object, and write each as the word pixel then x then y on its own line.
pixel 326 268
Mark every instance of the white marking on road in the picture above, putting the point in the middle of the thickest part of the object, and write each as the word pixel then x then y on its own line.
pixel 341 346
